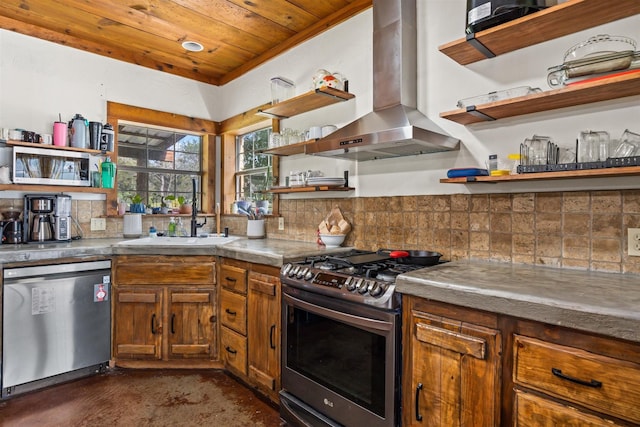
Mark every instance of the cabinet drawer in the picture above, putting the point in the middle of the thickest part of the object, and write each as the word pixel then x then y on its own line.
pixel 233 311
pixel 534 411
pixel 233 278
pixel 165 270
pixel 234 350
pixel 601 383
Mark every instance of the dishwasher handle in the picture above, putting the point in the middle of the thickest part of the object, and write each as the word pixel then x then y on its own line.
pixel 47 270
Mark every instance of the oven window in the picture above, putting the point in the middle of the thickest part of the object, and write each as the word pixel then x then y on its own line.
pixel 345 359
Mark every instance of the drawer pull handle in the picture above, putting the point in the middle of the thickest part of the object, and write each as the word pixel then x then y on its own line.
pixel 593 383
pixel 173 321
pixel 153 324
pixel 418 416
pixel 230 279
pixel 230 312
pixel 230 350
pixel 271 333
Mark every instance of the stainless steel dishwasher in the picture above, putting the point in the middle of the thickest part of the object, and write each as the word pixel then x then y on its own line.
pixel 56 324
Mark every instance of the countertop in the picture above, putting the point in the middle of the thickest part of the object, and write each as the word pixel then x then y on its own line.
pixel 272 252
pixel 603 303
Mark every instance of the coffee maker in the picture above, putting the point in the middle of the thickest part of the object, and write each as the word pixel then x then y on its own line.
pixel 62 218
pixel 47 218
pixel 11 226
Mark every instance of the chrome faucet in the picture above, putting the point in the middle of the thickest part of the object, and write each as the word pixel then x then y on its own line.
pixel 194 209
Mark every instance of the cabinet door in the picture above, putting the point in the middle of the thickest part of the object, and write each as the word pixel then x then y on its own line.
pixel 264 332
pixel 191 323
pixel 138 323
pixel 456 380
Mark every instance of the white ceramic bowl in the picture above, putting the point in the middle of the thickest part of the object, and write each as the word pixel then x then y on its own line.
pixel 332 240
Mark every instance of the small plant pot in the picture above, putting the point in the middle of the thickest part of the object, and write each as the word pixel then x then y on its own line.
pixel 186 209
pixel 137 208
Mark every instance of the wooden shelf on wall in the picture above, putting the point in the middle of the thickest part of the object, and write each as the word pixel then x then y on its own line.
pixel 308 101
pixel 542 176
pixel 282 190
pixel 578 94
pixel 553 22
pixel 56 147
pixel 289 150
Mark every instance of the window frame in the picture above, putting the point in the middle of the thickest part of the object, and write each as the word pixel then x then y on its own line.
pixel 157 170
pixel 208 129
pixel 262 170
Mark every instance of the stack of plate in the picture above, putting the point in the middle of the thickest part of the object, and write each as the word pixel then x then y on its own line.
pixel 325 180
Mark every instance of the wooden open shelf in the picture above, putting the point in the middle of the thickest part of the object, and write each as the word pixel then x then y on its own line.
pixel 308 101
pixel 289 150
pixel 582 93
pixel 553 22
pixel 280 190
pixel 56 147
pixel 54 188
pixel 589 173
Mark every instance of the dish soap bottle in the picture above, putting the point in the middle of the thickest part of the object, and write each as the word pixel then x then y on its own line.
pixel 172 227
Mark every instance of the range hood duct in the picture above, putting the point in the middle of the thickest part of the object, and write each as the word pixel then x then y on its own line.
pixel 395 127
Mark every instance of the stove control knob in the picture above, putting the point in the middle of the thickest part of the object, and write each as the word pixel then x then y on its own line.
pixel 285 269
pixel 364 286
pixel 353 284
pixel 308 275
pixel 377 289
pixel 302 272
pixel 294 271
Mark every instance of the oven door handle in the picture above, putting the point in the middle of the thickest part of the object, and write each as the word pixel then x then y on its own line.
pixel 364 322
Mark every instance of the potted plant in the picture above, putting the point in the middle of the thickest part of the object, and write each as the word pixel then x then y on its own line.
pixel 136 204
pixel 185 205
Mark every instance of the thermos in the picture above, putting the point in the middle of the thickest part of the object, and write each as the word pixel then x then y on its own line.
pixel 78 132
pixel 106 142
pixel 95 135
pixel 108 173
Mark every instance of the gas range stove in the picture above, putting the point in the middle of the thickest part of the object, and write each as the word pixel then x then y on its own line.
pixel 358 276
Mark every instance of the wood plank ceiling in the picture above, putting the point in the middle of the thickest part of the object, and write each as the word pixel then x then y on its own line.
pixel 237 35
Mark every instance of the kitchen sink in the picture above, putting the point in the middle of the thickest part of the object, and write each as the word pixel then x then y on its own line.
pixel 206 240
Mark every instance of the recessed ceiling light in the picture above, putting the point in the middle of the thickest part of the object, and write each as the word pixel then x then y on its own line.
pixel 192 46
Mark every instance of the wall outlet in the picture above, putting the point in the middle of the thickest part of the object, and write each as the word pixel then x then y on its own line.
pixel 280 223
pixel 98 224
pixel 634 241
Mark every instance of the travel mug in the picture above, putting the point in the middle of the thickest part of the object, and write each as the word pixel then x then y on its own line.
pixel 95 135
pixel 60 134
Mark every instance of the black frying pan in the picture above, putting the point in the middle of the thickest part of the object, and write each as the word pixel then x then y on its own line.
pixel 413 257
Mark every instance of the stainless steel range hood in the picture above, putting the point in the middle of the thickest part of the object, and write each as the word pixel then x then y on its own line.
pixel 395 127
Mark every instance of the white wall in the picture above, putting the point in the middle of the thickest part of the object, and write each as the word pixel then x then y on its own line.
pixel 39 79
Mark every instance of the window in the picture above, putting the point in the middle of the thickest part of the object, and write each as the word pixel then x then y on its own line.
pixel 254 170
pixel 155 163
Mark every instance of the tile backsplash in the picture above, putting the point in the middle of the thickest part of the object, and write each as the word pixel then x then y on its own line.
pixel 581 230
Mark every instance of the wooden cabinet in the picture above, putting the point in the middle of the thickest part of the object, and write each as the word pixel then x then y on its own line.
pixel 606 385
pixel 264 332
pixel 164 311
pixel 233 313
pixel 137 322
pixel 250 323
pixel 451 367
pixel 465 367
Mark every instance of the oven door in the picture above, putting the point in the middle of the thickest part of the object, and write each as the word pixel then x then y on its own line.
pixel 341 359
